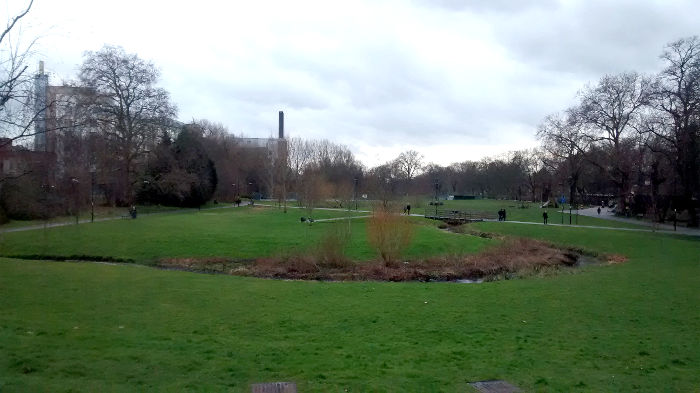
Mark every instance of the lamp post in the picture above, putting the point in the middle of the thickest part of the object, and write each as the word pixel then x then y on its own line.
pixel 75 183
pixel 92 193
pixel 47 200
pixel 354 193
pixel 437 185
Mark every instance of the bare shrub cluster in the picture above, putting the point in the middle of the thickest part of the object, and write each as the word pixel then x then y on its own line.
pixel 389 233
pixel 513 257
pixel 331 249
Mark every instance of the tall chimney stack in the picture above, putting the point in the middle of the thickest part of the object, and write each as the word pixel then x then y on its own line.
pixel 281 125
pixel 41 67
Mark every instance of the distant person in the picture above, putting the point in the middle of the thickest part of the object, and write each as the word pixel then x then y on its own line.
pixel 545 216
pixel 408 210
pixel 504 214
pixel 674 217
pixel 132 211
pixel 598 210
pixel 500 215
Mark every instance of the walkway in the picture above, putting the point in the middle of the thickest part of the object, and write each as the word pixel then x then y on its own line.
pixel 680 231
pixel 607 214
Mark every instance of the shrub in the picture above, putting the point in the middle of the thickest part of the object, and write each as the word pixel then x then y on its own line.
pixel 331 249
pixel 389 233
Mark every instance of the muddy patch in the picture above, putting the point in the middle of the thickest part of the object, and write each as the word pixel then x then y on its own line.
pixel 511 258
pixel 464 229
pixel 616 258
pixel 212 265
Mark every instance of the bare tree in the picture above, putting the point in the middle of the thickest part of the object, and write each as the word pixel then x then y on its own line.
pixel 533 163
pixel 677 96
pixel 16 116
pixel 408 164
pixel 564 144
pixel 313 189
pixel 382 182
pixel 129 108
pixel 610 111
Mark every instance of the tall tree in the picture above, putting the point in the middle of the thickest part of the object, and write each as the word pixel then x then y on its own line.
pixel 128 107
pixel 180 173
pixel 610 112
pixel 16 115
pixel 409 164
pixel 678 96
pixel 564 145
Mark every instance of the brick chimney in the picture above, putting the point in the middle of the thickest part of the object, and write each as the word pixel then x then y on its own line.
pixel 281 122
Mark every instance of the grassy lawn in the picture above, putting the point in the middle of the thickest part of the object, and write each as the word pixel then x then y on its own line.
pixel 235 233
pixel 102 212
pixel 94 327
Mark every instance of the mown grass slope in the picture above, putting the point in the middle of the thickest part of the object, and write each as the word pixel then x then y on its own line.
pixel 95 327
pixel 233 233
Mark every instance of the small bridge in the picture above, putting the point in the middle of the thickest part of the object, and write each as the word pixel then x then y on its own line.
pixel 458 216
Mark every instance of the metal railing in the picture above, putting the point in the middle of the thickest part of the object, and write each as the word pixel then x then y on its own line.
pixel 458 215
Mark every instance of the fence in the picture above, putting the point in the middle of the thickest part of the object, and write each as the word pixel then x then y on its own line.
pixel 458 215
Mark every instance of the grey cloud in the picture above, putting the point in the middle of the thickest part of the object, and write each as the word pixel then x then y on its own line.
pixel 377 74
pixel 498 6
pixel 597 37
pixel 373 82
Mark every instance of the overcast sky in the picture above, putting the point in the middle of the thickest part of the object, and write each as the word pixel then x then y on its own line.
pixel 455 80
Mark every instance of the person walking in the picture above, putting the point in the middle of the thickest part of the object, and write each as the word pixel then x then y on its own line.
pixel 675 218
pixel 598 210
pixel 545 216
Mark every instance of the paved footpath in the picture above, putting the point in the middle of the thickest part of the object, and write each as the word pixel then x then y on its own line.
pixel 680 231
pixel 607 214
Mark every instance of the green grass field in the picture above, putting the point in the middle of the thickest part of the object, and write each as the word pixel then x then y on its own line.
pixel 235 233
pixel 531 212
pixel 98 327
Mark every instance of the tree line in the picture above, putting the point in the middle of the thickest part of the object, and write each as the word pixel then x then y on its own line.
pixel 630 140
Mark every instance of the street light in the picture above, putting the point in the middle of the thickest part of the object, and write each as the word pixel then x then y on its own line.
pixel 436 197
pixel 354 193
pixel 75 183
pixel 47 191
pixel 93 170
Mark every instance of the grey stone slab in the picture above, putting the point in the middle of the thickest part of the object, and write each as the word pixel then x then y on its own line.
pixel 274 387
pixel 495 386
